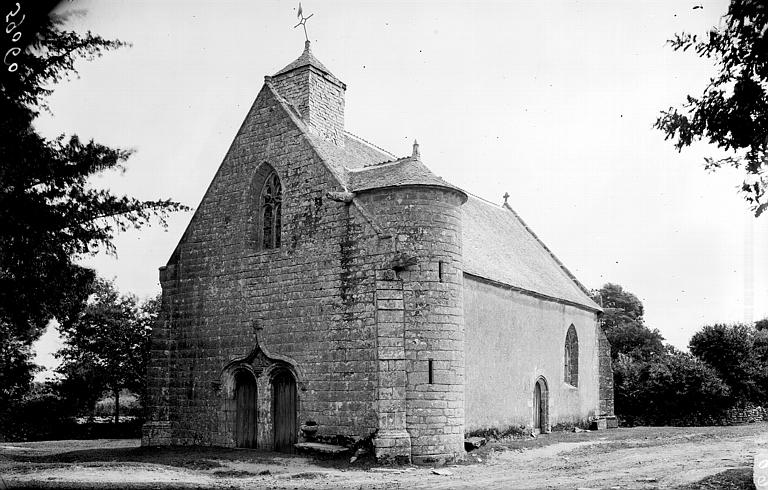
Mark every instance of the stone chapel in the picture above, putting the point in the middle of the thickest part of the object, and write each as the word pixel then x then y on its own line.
pixel 326 289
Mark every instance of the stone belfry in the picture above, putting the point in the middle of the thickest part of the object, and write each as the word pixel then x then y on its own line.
pixel 315 92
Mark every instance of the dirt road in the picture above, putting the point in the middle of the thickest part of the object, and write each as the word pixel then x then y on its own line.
pixel 642 458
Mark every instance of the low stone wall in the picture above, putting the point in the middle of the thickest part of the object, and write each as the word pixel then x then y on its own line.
pixel 746 415
pixel 738 415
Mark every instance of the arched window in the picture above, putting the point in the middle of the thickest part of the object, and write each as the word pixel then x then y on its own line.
pixel 571 357
pixel 271 202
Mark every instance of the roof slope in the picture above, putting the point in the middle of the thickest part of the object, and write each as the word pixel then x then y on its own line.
pixel 497 245
pixel 306 58
pixel 405 171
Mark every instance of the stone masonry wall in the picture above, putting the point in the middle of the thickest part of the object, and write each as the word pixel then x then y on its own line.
pixel 318 98
pixel 303 302
pixel 606 373
pixel 420 318
pixel 742 413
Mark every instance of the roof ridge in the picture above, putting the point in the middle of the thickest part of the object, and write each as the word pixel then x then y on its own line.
pixel 483 199
pixel 369 143
pixel 379 165
pixel 562 266
pixel 303 128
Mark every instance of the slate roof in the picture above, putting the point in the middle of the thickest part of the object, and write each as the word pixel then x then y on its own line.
pixel 307 58
pixel 498 245
pixel 405 171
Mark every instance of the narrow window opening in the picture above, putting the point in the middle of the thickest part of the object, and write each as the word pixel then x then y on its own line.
pixel 431 372
pixel 271 220
pixel 440 266
pixel 571 364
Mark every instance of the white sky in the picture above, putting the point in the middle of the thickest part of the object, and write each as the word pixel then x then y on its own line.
pixel 550 101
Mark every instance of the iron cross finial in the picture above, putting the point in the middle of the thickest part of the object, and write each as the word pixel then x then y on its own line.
pixel 506 196
pixel 303 21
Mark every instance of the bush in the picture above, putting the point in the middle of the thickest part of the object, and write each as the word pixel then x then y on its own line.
pixel 739 354
pixel 46 415
pixel 130 406
pixel 495 434
pixel 675 386
pixel 41 413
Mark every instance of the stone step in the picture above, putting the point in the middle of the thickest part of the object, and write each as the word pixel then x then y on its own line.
pixel 471 443
pixel 319 447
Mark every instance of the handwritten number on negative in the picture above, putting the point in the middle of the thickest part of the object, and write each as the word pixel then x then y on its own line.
pixel 13 14
pixel 9 28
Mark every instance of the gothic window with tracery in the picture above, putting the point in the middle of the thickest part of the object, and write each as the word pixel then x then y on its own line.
pixel 571 357
pixel 271 202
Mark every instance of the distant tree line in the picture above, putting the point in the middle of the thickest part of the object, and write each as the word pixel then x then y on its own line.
pixel 657 384
pixel 105 352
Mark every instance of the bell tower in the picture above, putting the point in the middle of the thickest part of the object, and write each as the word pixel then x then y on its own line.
pixel 316 94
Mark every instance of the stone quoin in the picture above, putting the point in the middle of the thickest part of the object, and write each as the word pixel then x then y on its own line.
pixel 326 290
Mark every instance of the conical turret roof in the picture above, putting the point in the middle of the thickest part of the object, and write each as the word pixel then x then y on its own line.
pixel 306 58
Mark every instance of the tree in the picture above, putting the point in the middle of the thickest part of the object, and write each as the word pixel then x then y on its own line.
pixel 732 112
pixel 620 306
pixel 624 325
pixel 738 353
pixel 109 343
pixel 673 388
pixel 762 324
pixel 49 214
pixel 16 372
pixel 635 340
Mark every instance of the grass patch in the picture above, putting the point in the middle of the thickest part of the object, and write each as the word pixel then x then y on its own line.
pixel 733 479
pixel 195 458
pixel 495 434
pixel 198 464
pixel 237 473
pixel 307 475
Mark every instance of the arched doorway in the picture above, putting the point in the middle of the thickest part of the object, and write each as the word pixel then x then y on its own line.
pixel 245 409
pixel 284 411
pixel 540 406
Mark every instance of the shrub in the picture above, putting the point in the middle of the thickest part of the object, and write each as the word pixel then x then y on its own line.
pixel 672 387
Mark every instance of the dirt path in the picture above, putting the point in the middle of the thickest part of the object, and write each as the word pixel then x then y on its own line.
pixel 640 458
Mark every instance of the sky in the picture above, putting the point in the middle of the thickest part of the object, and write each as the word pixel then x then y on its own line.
pixel 552 102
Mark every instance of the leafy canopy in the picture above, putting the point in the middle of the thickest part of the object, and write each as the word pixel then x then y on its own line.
pixel 739 354
pixel 50 215
pixel 732 112
pixel 624 325
pixel 671 389
pixel 107 345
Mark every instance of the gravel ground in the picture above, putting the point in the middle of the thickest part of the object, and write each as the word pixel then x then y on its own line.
pixel 635 458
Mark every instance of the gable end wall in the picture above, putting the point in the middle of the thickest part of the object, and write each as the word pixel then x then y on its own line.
pixel 221 295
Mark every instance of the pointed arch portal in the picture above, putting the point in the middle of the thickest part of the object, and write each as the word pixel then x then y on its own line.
pixel 540 406
pixel 261 400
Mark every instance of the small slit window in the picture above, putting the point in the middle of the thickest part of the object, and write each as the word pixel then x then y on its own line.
pixel 571 357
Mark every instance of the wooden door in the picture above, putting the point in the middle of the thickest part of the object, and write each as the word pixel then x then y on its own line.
pixel 284 411
pixel 245 416
pixel 537 407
